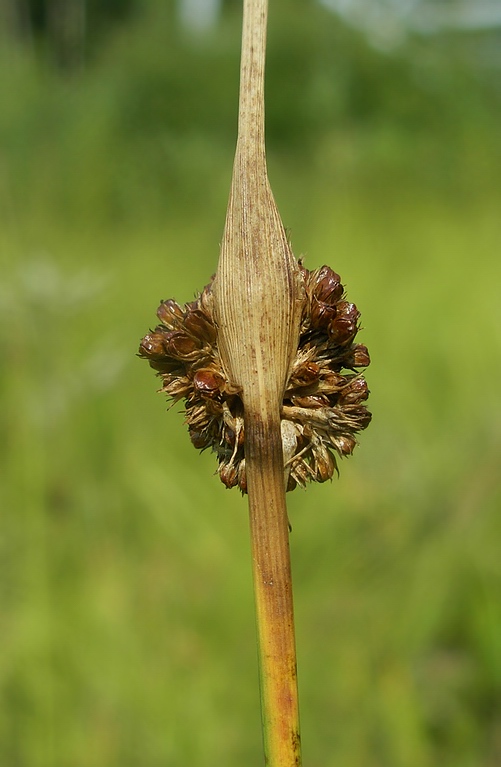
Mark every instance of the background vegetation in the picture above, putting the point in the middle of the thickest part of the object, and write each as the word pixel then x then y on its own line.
pixel 126 623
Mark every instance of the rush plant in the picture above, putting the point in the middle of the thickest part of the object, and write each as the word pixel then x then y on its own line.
pixel 267 364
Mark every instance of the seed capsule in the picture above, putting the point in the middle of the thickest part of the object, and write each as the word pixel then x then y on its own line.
pixel 208 382
pixel 322 314
pixel 153 346
pixel 181 346
pixel 354 392
pixel 343 327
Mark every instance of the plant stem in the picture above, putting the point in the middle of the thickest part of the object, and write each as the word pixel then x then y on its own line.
pixel 258 299
pixel 273 595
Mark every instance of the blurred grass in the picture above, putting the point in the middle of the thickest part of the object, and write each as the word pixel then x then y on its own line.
pixel 127 629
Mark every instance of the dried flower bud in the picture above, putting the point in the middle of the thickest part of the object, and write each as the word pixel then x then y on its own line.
pixel 197 324
pixel 355 391
pixel 358 357
pixel 176 386
pixel 170 313
pixel 324 463
pixel 346 444
pixel 199 439
pixel 325 285
pixel 228 474
pixel 153 346
pixel 305 374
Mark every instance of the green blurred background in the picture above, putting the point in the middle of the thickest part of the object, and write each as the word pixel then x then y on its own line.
pixel 126 626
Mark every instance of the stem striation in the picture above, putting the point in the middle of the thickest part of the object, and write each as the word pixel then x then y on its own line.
pixel 258 296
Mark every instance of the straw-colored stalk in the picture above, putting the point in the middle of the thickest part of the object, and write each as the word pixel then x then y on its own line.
pixel 257 304
pixel 265 359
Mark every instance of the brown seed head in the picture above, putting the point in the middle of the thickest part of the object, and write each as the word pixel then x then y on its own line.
pixel 323 402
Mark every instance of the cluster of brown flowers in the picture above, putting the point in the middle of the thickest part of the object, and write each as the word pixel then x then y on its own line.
pixel 323 405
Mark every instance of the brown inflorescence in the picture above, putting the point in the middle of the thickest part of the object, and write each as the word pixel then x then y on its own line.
pixel 323 406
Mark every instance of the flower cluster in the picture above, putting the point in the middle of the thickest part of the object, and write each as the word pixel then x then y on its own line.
pixel 323 404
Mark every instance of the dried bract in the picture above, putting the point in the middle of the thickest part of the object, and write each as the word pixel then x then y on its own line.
pixel 323 406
